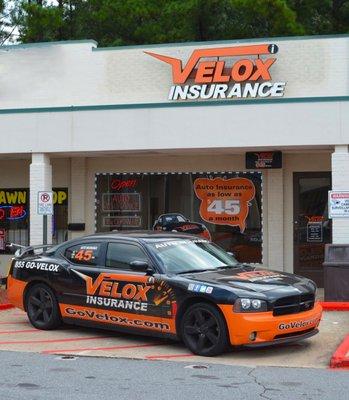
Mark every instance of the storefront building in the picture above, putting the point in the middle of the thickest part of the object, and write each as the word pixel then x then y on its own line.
pixel 239 140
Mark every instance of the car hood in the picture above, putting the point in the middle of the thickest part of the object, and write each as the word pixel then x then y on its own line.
pixel 255 279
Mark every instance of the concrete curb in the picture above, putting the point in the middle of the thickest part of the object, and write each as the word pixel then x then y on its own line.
pixel 339 358
pixel 6 306
pixel 335 305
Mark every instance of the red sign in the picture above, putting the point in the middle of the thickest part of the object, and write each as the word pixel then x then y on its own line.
pixel 118 184
pixel 45 197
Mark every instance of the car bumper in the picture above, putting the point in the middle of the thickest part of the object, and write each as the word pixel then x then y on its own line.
pixel 15 291
pixel 269 329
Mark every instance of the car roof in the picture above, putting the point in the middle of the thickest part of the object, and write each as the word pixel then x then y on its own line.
pixel 135 236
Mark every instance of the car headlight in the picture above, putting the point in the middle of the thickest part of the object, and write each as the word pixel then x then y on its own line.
pixel 250 305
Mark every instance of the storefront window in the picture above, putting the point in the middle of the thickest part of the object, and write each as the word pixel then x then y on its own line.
pixel 226 207
pixel 15 218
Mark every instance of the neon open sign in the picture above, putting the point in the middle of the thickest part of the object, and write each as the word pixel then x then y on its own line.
pixel 12 213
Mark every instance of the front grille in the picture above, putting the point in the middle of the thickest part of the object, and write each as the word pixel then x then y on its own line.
pixel 294 304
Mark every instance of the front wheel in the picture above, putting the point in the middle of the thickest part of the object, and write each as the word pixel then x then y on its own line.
pixel 203 330
pixel 42 307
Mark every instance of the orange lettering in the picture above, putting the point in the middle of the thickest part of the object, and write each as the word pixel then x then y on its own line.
pixel 205 72
pixel 142 293
pixel 105 288
pixel 218 73
pixel 242 70
pixel 114 291
pixel 263 69
pixel 180 75
pixel 129 291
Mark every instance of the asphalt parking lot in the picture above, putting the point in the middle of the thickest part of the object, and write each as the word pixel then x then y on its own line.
pixel 16 334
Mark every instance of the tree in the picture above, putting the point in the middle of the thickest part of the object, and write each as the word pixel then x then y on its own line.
pixel 230 19
pixel 322 16
pixel 6 28
pixel 121 22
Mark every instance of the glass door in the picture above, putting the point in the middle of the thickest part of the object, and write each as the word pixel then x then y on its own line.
pixel 312 227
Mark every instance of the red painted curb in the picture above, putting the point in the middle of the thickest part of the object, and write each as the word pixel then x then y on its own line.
pixel 335 305
pixel 339 358
pixel 6 306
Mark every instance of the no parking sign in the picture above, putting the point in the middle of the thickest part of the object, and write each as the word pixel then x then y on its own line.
pixel 45 203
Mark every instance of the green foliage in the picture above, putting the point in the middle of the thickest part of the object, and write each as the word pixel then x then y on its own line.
pixel 322 16
pixel 121 22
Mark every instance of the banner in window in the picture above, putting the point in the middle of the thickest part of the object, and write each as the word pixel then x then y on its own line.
pixel 225 207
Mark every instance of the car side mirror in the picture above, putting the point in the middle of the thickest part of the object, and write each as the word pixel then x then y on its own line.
pixel 141 266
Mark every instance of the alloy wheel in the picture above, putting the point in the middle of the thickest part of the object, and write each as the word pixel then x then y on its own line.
pixel 40 306
pixel 201 329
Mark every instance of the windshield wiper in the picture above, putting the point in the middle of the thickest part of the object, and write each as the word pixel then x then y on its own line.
pixel 193 271
pixel 227 266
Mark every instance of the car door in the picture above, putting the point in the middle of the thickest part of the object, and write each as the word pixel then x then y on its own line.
pixel 134 299
pixel 85 259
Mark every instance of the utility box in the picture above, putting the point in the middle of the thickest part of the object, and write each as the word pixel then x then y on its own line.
pixel 336 272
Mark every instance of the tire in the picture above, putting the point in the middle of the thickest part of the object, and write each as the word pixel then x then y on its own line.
pixel 42 307
pixel 204 331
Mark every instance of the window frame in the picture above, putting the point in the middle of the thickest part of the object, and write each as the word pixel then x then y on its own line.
pixel 100 259
pixel 131 243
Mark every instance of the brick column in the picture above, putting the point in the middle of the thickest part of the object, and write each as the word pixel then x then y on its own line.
pixel 340 181
pixel 275 218
pixel 77 194
pixel 40 179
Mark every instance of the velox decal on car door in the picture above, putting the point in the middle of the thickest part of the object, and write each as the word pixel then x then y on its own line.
pixel 123 297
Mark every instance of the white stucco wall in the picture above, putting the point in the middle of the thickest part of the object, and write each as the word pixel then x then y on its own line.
pixel 79 73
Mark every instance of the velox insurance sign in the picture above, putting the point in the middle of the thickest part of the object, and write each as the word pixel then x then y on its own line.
pixel 338 204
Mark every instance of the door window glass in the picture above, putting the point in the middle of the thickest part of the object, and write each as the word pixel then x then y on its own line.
pixel 120 255
pixel 312 227
pixel 84 253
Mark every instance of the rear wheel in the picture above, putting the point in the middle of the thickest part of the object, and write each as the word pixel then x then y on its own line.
pixel 203 330
pixel 42 307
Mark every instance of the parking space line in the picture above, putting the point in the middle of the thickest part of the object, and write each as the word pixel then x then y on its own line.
pixel 22 331
pixel 77 339
pixel 4 307
pixel 14 323
pixel 120 347
pixel 169 356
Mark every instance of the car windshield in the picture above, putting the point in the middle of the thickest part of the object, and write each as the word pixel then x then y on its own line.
pixel 190 255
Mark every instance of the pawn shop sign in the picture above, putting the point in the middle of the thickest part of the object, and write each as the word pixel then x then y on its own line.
pixel 45 203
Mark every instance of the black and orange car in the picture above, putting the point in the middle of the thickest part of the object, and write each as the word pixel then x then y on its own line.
pixel 164 284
